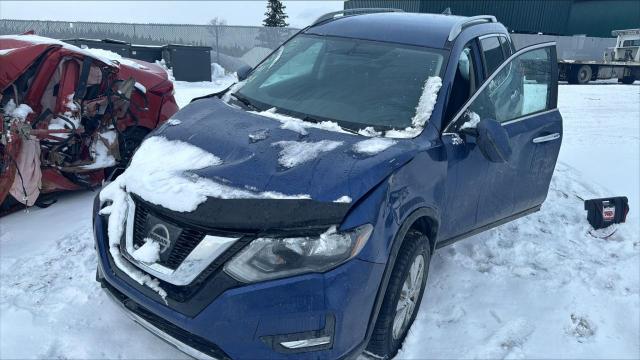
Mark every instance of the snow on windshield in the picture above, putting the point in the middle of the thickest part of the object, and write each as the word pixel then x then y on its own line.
pixel 294 153
pixel 423 111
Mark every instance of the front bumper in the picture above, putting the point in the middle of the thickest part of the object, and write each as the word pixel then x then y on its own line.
pixel 242 321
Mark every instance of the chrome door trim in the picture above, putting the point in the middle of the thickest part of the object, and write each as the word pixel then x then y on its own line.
pixel 525 117
pixel 195 263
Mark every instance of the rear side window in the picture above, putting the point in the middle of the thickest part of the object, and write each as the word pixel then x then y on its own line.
pixel 520 88
pixel 492 53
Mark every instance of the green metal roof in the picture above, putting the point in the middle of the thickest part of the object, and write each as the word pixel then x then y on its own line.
pixel 558 17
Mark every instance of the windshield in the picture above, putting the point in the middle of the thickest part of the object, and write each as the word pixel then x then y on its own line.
pixel 357 83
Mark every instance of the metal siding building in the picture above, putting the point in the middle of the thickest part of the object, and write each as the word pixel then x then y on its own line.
pixel 557 17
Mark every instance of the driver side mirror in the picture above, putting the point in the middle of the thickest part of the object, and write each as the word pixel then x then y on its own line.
pixel 243 72
pixel 492 139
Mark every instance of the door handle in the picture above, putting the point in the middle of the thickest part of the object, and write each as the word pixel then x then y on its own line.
pixel 546 138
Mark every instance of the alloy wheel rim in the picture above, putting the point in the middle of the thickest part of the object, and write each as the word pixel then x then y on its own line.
pixel 408 297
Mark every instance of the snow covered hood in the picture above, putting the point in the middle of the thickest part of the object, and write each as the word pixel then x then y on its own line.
pixel 259 155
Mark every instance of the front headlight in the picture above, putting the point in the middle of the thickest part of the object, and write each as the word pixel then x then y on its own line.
pixel 271 258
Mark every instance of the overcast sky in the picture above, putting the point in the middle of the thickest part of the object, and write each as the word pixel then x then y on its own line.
pixel 301 13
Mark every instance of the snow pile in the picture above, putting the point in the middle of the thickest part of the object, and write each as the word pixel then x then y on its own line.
pixel 160 172
pixel 148 253
pixel 174 122
pixel 294 153
pixel 298 125
pixel 423 110
pixel 169 71
pixel 373 146
pixel 258 135
pixel 115 58
pixel 100 151
pixel 19 113
pixel 343 199
pixel 473 121
pixel 140 87
pixel 6 51
pixel 217 71
pixel 117 211
pixel 585 289
pixel 102 157
pixel 369 131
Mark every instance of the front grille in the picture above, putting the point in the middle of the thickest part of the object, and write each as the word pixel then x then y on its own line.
pixel 167 327
pixel 188 240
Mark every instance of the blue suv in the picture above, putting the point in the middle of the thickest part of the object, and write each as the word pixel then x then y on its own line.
pixel 294 215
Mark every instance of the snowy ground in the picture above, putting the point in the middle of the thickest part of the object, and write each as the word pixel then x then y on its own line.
pixel 539 287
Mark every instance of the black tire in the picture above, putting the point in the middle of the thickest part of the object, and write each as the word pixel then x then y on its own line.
pixel 580 75
pixel 628 80
pixel 384 342
pixel 129 141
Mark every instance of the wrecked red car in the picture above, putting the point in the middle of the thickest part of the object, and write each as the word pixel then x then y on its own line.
pixel 69 116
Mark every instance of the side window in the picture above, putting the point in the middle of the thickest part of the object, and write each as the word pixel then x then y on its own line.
pixel 297 65
pixel 492 54
pixel 506 47
pixel 522 87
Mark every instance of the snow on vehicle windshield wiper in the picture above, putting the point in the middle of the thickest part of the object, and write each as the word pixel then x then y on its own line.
pixel 246 102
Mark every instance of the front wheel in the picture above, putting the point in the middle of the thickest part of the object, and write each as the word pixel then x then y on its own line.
pixel 404 294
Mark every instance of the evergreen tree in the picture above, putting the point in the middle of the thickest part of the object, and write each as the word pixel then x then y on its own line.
pixel 275 16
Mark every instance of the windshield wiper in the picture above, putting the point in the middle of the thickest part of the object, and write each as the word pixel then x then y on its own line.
pixel 316 120
pixel 246 102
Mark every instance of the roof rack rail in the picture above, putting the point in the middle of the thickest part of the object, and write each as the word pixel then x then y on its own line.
pixel 473 20
pixel 352 12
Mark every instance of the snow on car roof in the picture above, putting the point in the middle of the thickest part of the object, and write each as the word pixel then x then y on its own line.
pixel 37 40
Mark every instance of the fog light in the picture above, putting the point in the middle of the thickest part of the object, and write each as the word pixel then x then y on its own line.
pixel 299 344
pixel 313 340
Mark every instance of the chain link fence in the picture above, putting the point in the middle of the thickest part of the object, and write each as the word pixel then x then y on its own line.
pixel 234 46
pixel 231 46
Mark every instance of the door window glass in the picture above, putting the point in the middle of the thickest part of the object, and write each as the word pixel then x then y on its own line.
pixel 522 87
pixel 506 46
pixel 492 53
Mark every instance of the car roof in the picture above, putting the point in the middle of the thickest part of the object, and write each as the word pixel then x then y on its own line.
pixel 430 30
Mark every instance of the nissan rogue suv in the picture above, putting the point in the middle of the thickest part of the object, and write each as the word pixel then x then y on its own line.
pixel 294 215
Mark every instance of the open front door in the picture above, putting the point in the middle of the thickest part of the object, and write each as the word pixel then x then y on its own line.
pixel 522 96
